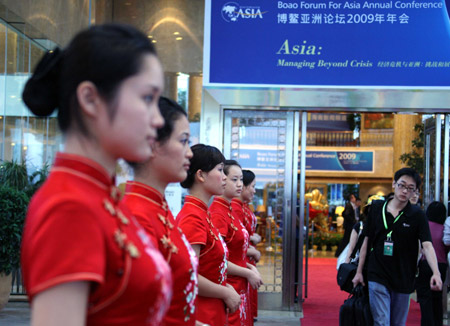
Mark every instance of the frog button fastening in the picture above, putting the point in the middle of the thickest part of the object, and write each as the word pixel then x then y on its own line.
pixel 132 250
pixel 109 207
pixel 122 217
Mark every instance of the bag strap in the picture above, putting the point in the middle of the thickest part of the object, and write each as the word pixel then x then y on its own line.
pixel 358 244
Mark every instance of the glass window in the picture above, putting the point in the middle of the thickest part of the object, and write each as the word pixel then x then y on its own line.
pixel 2 85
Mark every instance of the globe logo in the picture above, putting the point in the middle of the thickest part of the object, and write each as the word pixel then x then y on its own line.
pixel 230 11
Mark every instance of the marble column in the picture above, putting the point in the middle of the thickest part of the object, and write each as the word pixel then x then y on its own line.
pixel 403 135
pixel 171 85
pixel 195 97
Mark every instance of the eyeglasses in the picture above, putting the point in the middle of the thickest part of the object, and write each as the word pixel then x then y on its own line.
pixel 402 187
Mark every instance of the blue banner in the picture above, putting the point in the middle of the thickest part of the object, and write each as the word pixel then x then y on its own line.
pixel 388 43
pixel 344 161
pixel 350 161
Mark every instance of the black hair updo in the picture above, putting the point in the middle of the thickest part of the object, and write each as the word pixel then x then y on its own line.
pixel 103 54
pixel 204 158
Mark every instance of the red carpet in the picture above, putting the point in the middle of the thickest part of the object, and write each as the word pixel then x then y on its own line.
pixel 321 307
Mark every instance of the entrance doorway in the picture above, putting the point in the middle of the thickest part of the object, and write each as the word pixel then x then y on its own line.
pixel 344 153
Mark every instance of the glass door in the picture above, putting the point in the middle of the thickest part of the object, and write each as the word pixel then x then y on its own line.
pixel 263 141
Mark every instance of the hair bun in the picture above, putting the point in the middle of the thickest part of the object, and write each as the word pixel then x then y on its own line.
pixel 41 90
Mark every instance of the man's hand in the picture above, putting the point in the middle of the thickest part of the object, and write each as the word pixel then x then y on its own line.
pixel 436 283
pixel 358 279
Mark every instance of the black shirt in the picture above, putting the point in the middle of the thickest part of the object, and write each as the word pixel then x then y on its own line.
pixel 396 272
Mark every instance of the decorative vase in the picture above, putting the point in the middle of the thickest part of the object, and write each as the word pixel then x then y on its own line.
pixel 5 289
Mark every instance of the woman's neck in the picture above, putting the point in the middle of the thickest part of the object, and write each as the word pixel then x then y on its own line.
pixel 226 198
pixel 200 193
pixel 83 146
pixel 152 181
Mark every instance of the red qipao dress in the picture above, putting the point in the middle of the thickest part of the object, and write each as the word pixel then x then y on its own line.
pixel 236 238
pixel 78 230
pixel 195 222
pixel 152 212
pixel 251 228
pixel 241 211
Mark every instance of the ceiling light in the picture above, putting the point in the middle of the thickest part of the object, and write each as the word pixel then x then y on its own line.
pixel 176 33
pixel 153 41
pixel 179 38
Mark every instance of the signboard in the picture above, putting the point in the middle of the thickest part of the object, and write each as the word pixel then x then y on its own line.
pixel 327 43
pixel 343 161
pixel 348 161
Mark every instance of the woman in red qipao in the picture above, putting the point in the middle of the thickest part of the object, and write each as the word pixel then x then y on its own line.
pixel 250 222
pixel 206 179
pixel 236 237
pixel 145 198
pixel 85 259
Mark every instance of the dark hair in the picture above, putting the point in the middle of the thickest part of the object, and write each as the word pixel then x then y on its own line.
pixel 103 54
pixel 204 158
pixel 436 212
pixel 247 177
pixel 171 112
pixel 228 164
pixel 409 172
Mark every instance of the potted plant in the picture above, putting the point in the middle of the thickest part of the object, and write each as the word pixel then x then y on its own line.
pixel 13 205
pixel 16 189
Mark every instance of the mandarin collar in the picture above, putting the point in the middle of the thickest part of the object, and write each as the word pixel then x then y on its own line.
pixel 238 201
pixel 145 190
pixel 83 165
pixel 196 201
pixel 222 201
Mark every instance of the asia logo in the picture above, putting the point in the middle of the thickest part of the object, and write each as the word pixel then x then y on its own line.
pixel 231 11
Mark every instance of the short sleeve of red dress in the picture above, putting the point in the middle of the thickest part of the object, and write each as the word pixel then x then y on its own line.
pixel 69 240
pixel 193 227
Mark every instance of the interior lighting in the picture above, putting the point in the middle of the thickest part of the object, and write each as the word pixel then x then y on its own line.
pixel 150 36
pixel 153 41
pixel 13 144
pixel 25 148
pixel 176 33
pixel 179 38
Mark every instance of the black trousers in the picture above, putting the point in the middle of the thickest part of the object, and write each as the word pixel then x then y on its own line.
pixel 430 301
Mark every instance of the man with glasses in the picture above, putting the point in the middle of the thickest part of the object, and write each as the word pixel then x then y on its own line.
pixel 393 229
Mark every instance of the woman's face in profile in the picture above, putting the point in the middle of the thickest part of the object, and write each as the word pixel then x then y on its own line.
pixel 234 183
pixel 248 192
pixel 133 128
pixel 171 158
pixel 415 198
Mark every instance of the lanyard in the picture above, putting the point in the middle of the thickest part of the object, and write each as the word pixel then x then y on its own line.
pixel 384 220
